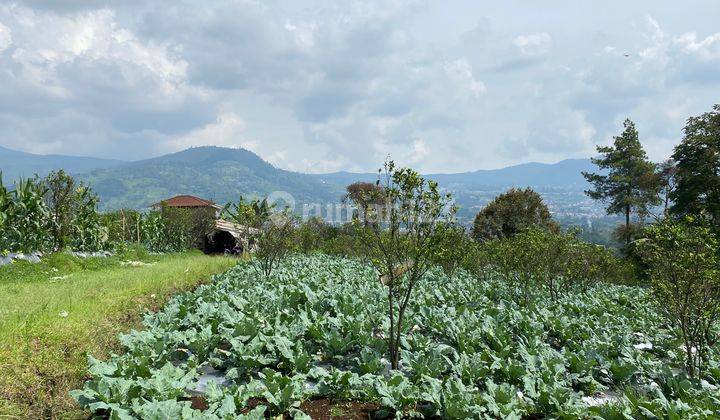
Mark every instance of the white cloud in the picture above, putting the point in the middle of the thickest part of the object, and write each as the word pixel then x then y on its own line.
pixel 534 44
pixel 706 49
pixel 227 131
pixel 460 74
pixel 318 85
pixel 419 151
pixel 5 37
pixel 303 33
pixel 46 43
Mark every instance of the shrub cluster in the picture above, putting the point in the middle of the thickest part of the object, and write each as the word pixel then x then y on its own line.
pixel 683 263
pixel 540 261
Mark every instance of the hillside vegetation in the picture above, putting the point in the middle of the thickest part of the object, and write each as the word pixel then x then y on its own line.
pixel 222 174
pixel 215 173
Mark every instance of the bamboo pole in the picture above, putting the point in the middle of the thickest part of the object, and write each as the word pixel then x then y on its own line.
pixel 124 233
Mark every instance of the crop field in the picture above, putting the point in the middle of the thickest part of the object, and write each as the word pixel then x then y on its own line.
pixel 249 346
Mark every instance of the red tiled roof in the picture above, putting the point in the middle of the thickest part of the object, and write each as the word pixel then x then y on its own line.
pixel 184 201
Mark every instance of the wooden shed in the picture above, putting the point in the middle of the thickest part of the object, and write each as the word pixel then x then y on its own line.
pixel 225 236
pixel 243 235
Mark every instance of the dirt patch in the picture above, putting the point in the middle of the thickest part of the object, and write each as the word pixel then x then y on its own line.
pixel 199 403
pixel 324 409
pixel 319 409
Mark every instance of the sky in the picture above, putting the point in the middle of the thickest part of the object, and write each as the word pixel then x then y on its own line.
pixel 322 86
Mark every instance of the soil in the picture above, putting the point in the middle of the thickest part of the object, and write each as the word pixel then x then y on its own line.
pixel 199 403
pixel 324 409
pixel 320 409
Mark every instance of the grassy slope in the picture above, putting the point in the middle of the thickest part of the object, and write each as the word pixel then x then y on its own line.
pixel 49 322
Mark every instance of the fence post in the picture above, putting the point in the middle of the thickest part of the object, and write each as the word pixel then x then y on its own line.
pixel 124 233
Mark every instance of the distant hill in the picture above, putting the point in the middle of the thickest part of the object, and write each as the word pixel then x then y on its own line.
pixel 15 164
pixel 565 175
pixel 223 174
pixel 560 184
pixel 215 173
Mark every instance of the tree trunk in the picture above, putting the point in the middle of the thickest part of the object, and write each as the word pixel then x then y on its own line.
pixel 391 335
pixel 627 225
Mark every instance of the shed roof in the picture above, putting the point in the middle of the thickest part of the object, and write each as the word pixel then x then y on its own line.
pixel 185 201
pixel 236 230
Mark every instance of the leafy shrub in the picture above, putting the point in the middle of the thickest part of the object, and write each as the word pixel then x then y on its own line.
pixel 537 260
pixel 188 225
pixel 315 235
pixel 684 268
pixel 161 234
pixel 511 213
pixel 73 213
pixel 274 242
pixel 458 252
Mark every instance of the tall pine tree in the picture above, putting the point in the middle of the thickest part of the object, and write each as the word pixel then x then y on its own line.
pixel 697 181
pixel 630 185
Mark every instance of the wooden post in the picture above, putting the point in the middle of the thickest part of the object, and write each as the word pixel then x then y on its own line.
pixel 124 233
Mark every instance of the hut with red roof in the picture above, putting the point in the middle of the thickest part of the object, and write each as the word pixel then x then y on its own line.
pixel 217 236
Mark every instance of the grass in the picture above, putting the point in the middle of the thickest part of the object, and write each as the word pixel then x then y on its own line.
pixel 54 313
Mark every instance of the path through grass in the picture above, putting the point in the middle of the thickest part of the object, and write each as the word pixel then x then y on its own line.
pixel 53 314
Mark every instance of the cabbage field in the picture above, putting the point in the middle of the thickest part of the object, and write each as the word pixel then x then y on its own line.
pixel 247 346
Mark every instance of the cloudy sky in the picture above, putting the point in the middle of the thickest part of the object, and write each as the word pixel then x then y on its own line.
pixel 338 85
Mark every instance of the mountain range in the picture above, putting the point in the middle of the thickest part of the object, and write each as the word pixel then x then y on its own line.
pixel 15 164
pixel 222 174
pixel 566 174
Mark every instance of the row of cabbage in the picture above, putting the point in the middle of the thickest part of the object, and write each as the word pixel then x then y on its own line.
pixel 316 327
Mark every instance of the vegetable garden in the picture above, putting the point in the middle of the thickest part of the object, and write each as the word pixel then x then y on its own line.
pixel 315 329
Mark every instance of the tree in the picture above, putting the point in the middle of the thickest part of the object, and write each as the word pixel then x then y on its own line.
pixel 274 242
pixel 60 199
pixel 666 177
pixel 364 195
pixel 187 227
pixel 74 218
pixel 311 234
pixel 510 213
pixel 515 258
pixel 698 168
pixel 684 269
pixel 406 241
pixel 631 185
